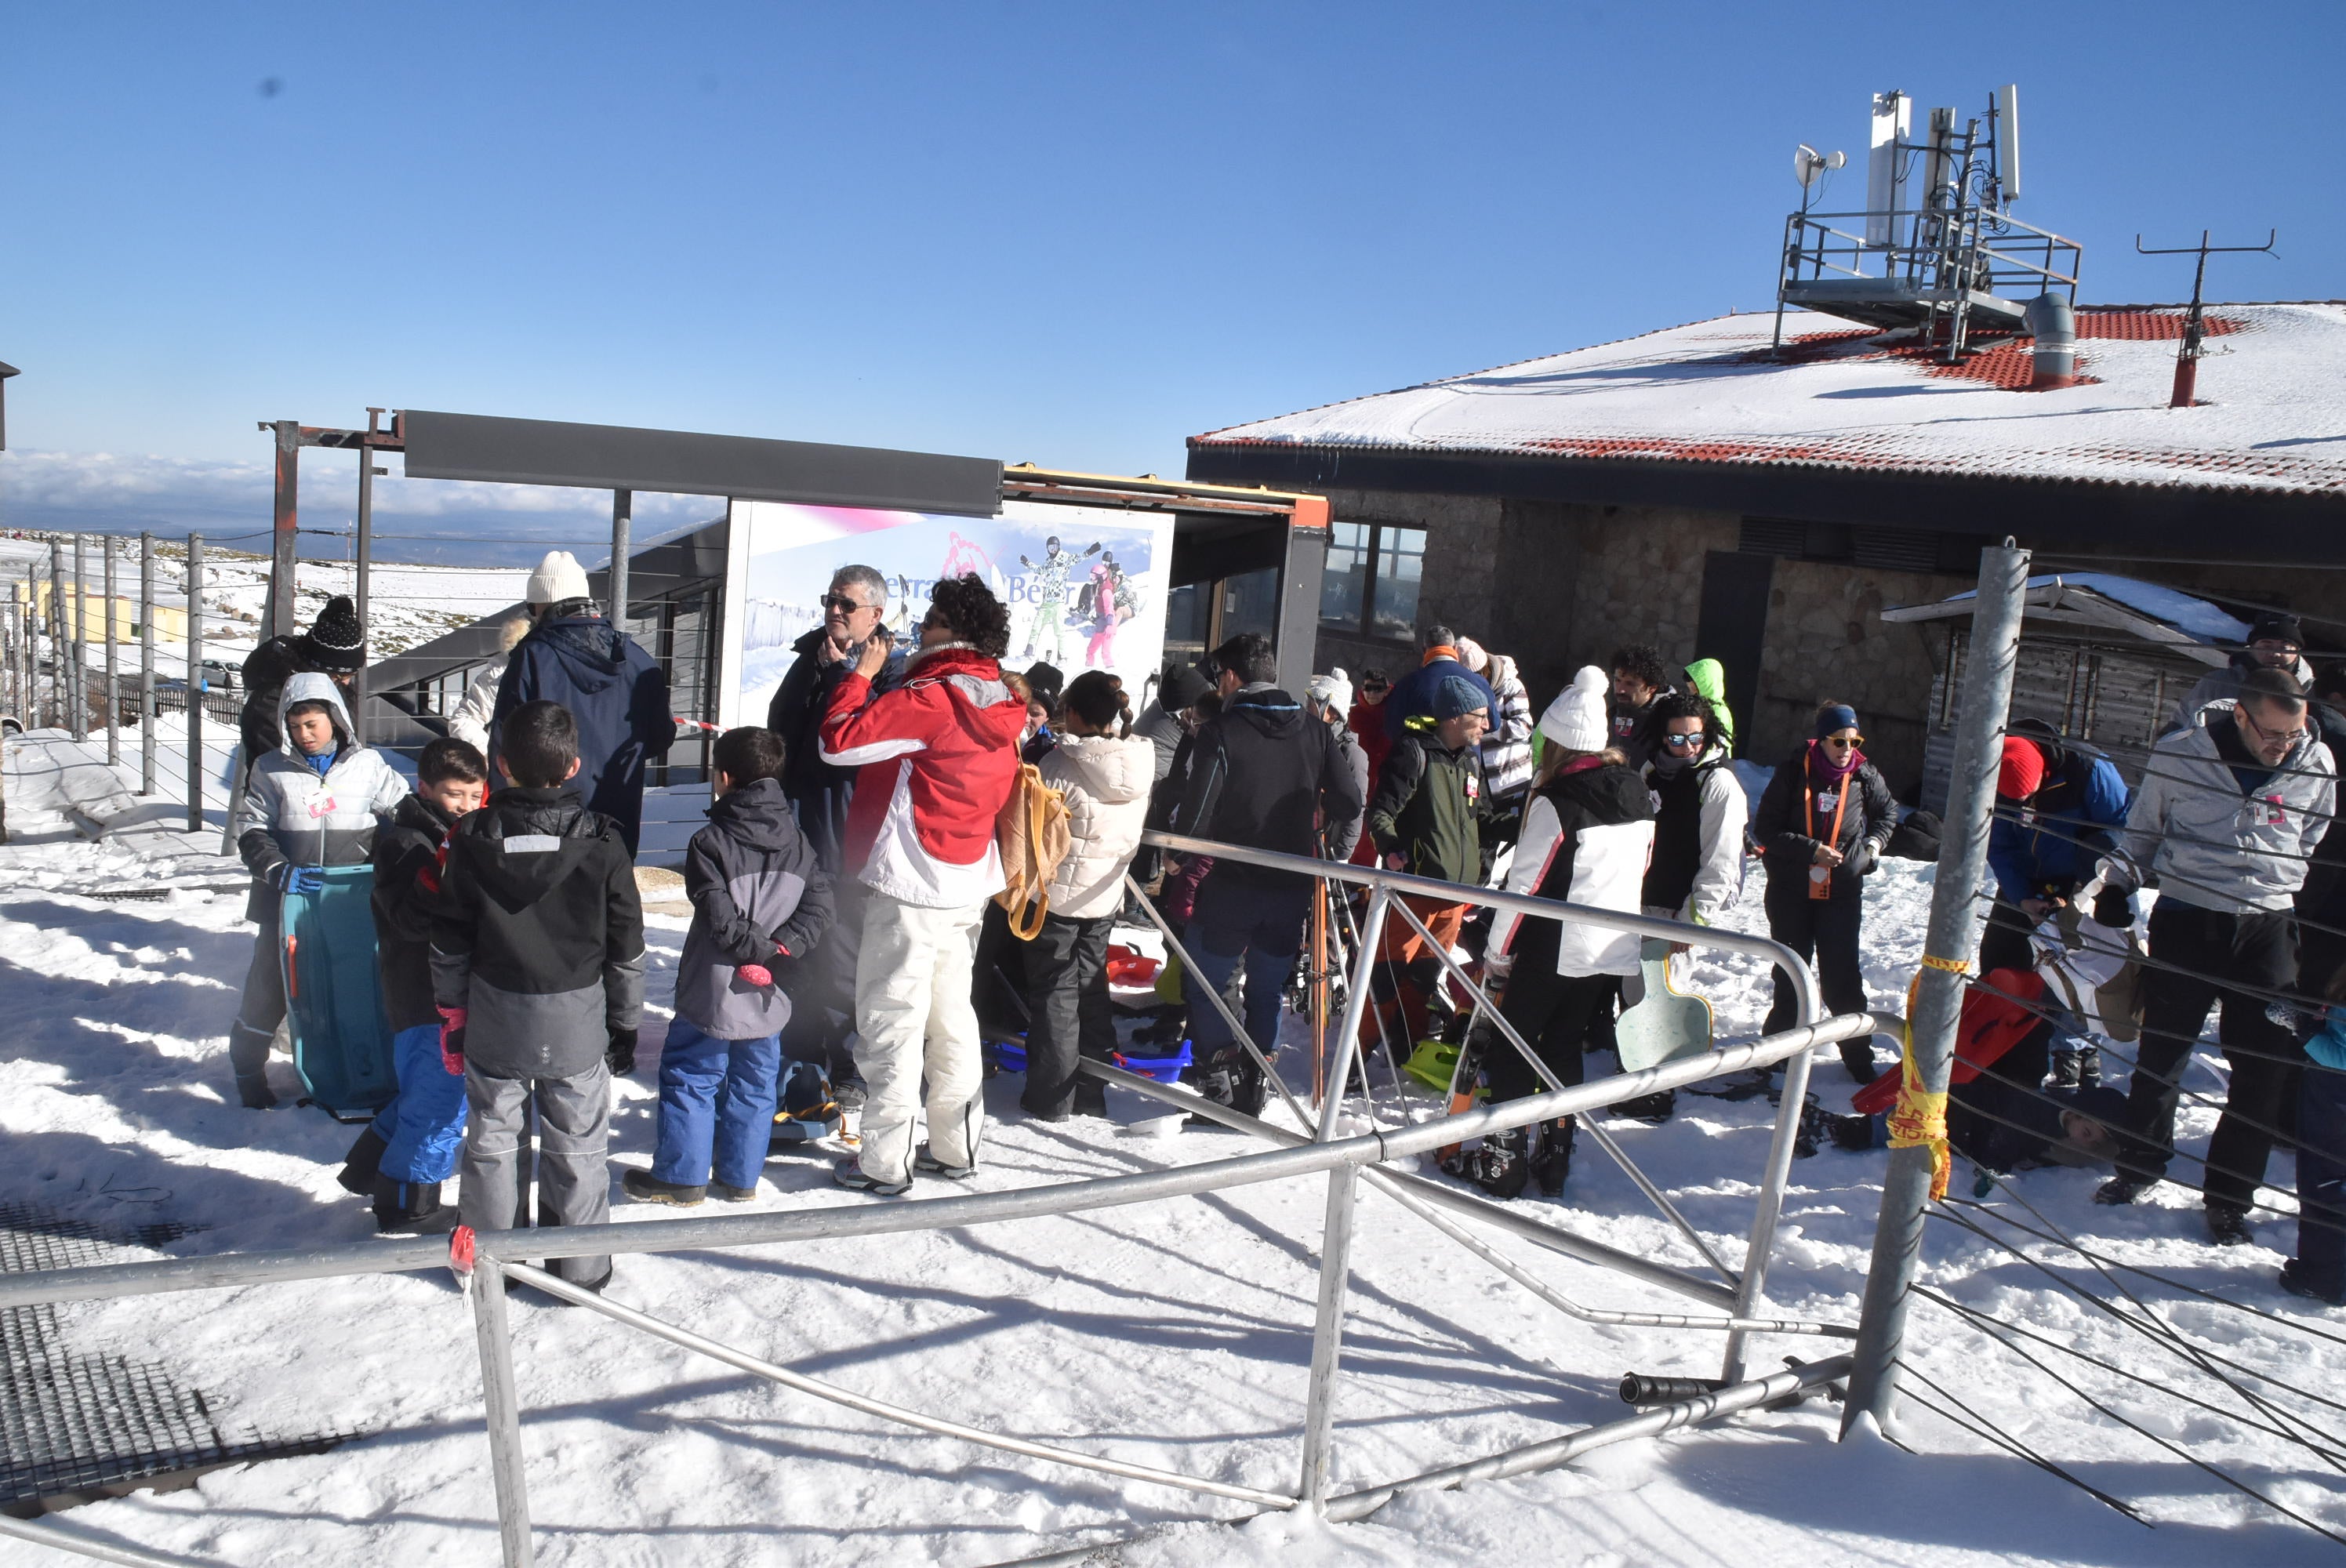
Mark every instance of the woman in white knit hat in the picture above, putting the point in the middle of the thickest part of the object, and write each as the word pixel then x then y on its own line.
pixel 1329 699
pixel 1589 829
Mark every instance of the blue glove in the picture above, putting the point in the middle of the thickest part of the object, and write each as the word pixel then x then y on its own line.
pixel 291 879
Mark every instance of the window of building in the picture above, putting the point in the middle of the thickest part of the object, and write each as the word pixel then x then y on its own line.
pixel 1370 585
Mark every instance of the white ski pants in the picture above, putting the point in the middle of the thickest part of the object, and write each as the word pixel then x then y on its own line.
pixel 913 1014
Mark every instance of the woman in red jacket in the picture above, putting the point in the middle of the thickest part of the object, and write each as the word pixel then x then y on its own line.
pixel 938 754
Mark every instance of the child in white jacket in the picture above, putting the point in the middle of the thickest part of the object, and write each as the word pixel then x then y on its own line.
pixel 1104 771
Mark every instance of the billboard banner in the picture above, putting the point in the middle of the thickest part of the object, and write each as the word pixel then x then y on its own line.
pixel 1085 584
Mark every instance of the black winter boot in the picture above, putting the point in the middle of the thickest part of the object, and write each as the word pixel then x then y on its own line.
pixel 402 1207
pixel 1499 1168
pixel 358 1166
pixel 1552 1163
pixel 1857 1055
pixel 1652 1109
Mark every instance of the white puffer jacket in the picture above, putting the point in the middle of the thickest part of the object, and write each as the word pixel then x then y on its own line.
pixel 1106 782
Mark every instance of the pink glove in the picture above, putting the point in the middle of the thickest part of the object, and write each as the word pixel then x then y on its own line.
pixel 452 1040
pixel 756 974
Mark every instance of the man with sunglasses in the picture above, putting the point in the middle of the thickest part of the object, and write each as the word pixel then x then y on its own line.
pixel 1696 871
pixel 821 1029
pixel 2227 821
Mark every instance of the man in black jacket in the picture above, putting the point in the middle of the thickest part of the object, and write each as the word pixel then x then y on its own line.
pixel 1264 776
pixel 537 966
pixel 822 991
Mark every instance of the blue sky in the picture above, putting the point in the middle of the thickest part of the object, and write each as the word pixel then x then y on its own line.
pixel 1071 234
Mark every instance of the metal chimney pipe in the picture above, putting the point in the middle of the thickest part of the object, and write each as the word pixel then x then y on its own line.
pixel 2054 325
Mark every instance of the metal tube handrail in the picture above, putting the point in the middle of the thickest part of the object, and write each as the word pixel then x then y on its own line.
pixel 100 1281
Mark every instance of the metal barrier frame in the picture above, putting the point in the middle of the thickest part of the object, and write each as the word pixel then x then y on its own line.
pixel 495 1257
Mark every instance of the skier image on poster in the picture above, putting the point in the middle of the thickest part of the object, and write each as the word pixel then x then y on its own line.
pixel 1048 590
pixel 1105 604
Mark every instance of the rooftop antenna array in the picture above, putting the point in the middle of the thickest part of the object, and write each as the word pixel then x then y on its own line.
pixel 1936 250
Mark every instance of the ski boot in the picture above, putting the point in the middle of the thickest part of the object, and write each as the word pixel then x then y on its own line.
pixel 1552 1163
pixel 1499 1168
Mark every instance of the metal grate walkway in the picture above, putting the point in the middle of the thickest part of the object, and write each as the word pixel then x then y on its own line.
pixel 71 1424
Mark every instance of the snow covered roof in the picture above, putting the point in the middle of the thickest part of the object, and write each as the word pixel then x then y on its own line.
pixel 2189 625
pixel 2271 416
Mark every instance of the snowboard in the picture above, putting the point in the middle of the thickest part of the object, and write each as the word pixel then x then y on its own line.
pixel 333 995
pixel 1669 1023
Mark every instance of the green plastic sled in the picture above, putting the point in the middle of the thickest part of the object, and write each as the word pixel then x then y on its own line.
pixel 1669 1024
pixel 333 995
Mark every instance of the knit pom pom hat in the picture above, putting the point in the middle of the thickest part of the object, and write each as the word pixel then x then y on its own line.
pixel 1334 689
pixel 1577 719
pixel 336 639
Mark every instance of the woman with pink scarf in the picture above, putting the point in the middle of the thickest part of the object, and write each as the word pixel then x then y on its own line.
pixel 1822 823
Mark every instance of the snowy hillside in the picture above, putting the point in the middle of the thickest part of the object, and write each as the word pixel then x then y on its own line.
pixel 1176 1334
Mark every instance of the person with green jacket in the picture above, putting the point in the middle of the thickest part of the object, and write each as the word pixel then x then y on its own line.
pixel 1707 677
pixel 1427 818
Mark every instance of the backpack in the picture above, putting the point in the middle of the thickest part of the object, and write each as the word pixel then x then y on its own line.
pixel 1032 832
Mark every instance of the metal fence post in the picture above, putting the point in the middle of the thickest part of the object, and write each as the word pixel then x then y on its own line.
pixel 79 700
pixel 1328 1329
pixel 146 663
pixel 1348 1033
pixel 113 664
pixel 195 671
pixel 503 1407
pixel 1946 954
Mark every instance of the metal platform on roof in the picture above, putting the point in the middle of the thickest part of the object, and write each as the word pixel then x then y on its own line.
pixel 1902 302
pixel 75 1426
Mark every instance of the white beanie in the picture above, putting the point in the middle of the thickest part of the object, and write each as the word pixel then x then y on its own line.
pixel 1471 654
pixel 559 577
pixel 1577 719
pixel 1334 688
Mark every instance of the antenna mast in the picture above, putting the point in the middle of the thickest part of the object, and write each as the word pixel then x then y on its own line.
pixel 2195 331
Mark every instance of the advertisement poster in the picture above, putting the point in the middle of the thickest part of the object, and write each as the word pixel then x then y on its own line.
pixel 1085 584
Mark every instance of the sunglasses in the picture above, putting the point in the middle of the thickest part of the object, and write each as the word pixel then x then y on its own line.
pixel 1694 743
pixel 1846 741
pixel 843 604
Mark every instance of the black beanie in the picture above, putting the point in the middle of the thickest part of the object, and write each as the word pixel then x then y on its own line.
pixel 2278 628
pixel 1183 686
pixel 337 642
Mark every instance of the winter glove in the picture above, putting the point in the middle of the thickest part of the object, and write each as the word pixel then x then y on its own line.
pixel 288 878
pixel 621 1056
pixel 1862 859
pixel 756 974
pixel 452 1040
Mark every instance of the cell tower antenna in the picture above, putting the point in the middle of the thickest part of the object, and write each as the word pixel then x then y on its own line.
pixel 2195 333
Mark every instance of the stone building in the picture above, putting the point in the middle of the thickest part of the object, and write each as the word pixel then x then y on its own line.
pixel 1693 489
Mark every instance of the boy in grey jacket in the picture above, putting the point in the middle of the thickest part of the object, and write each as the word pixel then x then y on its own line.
pixel 311 803
pixel 760 899
pixel 538 964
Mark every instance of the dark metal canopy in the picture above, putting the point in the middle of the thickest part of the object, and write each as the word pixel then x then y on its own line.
pixel 684 462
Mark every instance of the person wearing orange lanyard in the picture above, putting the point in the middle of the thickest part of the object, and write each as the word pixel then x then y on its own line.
pixel 1822 823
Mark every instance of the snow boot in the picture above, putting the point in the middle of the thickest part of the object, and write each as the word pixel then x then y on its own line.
pixel 928 1163
pixel 1857 1055
pixel 406 1208
pixel 1855 1134
pixel 2120 1190
pixel 731 1193
pixel 1652 1109
pixel 646 1187
pixel 2298 1280
pixel 1091 1098
pixel 1499 1168
pixel 253 1090
pixel 1552 1163
pixel 2229 1227
pixel 358 1176
pixel 1813 1132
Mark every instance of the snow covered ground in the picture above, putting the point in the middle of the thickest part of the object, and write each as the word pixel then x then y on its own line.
pixel 1176 1334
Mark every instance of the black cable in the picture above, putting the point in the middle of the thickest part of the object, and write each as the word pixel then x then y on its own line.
pixel 2336 1458
pixel 1986 1430
pixel 2302 1003
pixel 2062 1016
pixel 2197 1354
pixel 1940 1210
pixel 2166 1279
pixel 2179 1452
pixel 2277 768
pixel 2027 819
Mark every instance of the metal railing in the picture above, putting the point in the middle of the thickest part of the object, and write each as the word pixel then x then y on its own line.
pixel 487 1262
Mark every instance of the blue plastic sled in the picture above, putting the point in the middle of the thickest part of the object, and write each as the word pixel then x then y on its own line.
pixel 334 996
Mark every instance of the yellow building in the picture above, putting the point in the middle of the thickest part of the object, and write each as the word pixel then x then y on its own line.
pixel 171 616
